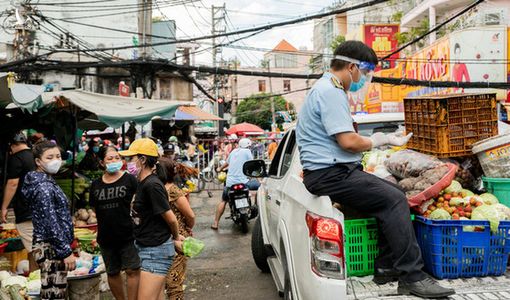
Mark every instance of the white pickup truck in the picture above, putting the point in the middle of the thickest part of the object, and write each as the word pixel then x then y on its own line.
pixel 299 237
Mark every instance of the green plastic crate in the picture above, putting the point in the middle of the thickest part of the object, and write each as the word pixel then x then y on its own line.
pixel 500 187
pixel 360 246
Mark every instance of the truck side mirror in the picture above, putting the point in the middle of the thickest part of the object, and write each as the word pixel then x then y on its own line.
pixel 255 168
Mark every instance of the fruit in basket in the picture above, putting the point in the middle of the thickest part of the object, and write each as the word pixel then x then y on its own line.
pixel 447 197
pixel 9 234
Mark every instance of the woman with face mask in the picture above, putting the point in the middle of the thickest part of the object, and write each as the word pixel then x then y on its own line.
pixel 111 197
pixel 53 227
pixel 91 161
pixel 156 228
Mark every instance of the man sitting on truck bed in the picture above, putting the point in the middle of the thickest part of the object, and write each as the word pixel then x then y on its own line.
pixel 330 152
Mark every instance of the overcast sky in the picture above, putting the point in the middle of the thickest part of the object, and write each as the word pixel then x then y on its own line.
pixel 244 14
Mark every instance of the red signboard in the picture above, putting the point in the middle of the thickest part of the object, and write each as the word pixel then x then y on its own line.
pixel 382 39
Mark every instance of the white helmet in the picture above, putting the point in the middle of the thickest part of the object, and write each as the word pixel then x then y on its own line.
pixel 244 143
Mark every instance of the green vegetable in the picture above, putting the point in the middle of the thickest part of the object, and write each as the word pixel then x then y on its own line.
pixel 467 228
pixel 15 292
pixel 34 275
pixel 456 201
pixel 455 187
pixel 489 198
pixel 440 214
pixel 489 213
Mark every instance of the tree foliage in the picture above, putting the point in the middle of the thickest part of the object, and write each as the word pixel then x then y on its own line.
pixel 256 109
pixel 336 42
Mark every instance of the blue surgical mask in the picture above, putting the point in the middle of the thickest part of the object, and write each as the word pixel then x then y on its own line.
pixel 114 167
pixel 95 149
pixel 356 86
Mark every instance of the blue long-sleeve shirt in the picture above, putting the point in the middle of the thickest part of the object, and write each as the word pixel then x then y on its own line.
pixel 50 212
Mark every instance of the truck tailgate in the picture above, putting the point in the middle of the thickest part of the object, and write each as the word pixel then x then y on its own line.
pixel 484 288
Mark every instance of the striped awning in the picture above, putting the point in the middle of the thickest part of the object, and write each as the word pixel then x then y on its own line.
pixel 193 113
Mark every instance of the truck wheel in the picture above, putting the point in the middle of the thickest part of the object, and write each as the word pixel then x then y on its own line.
pixel 244 223
pixel 258 249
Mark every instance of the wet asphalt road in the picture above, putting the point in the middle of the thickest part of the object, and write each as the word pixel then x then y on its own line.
pixel 225 269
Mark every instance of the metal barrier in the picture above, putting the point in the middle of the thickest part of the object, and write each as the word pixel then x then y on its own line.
pixel 210 154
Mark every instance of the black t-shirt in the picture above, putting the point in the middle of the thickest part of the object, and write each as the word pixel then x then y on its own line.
pixel 112 203
pixel 151 200
pixel 19 165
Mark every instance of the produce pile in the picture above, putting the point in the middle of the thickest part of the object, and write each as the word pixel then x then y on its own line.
pixel 19 287
pixel 80 186
pixel 87 240
pixel 456 203
pixel 83 217
pixel 414 172
pixel 9 234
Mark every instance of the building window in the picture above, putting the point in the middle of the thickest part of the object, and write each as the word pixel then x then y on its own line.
pixel 286 85
pixel 262 86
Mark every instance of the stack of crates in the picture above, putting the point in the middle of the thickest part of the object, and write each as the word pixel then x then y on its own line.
pixel 447 125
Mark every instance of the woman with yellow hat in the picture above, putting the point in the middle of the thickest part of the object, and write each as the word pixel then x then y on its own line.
pixel 156 228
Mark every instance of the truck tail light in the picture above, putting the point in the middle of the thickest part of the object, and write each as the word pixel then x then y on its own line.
pixel 327 246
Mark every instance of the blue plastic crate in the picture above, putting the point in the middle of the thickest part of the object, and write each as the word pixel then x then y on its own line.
pixel 450 251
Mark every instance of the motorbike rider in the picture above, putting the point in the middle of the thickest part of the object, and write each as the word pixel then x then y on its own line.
pixel 235 175
pixel 171 150
pixel 330 152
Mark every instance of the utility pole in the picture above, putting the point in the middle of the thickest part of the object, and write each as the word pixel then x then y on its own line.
pixel 218 23
pixel 271 98
pixel 145 25
pixel 23 30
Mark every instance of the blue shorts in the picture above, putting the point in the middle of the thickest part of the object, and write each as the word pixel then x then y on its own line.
pixel 157 260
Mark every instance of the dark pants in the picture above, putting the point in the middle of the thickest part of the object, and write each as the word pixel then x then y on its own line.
pixel 348 185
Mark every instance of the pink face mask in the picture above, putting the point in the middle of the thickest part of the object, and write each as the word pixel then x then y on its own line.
pixel 133 169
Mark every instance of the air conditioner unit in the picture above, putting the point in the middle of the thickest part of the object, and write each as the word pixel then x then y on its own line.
pixel 493 17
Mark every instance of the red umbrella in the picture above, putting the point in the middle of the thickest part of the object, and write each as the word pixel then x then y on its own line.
pixel 245 129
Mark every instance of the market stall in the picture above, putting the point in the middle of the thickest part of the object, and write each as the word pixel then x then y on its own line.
pixel 60 115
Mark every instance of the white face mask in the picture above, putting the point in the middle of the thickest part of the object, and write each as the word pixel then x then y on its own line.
pixel 52 167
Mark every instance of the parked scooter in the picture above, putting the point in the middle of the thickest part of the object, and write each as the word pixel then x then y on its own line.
pixel 241 209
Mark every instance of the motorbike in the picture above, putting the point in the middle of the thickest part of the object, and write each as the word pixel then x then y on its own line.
pixel 241 209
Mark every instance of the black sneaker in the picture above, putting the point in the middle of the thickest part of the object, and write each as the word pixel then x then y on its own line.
pixel 383 276
pixel 426 288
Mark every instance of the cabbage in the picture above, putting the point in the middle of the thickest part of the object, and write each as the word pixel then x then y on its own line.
pixel 4 274
pixel 489 198
pixel 504 211
pixel 467 192
pixel 455 187
pixel 456 201
pixel 13 280
pixel 440 214
pixel 489 213
pixel 34 286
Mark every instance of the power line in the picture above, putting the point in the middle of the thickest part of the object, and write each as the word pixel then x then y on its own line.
pixel 171 67
pixel 148 8
pixel 247 30
pixel 436 28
